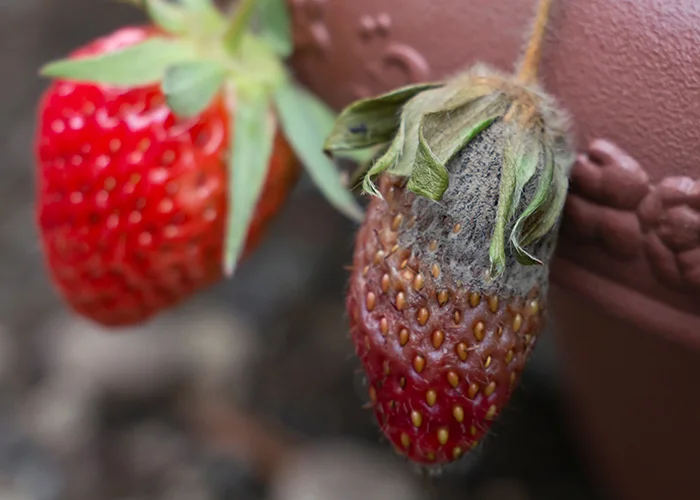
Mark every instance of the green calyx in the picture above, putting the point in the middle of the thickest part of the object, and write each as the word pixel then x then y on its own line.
pixel 423 127
pixel 196 50
pixel 200 54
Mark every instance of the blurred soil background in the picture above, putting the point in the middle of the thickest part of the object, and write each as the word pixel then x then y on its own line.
pixel 249 392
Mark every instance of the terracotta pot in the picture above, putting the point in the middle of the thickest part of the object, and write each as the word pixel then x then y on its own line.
pixel 627 305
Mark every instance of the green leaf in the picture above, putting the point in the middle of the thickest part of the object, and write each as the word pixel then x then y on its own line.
pixel 441 134
pixel 360 156
pixel 413 116
pixel 198 5
pixel 550 212
pixel 276 26
pixel 238 24
pixel 298 124
pixel 252 129
pixel 429 177
pixel 206 12
pixel 469 134
pixel 450 130
pixel 321 116
pixel 325 117
pixel 167 15
pixel 372 121
pixel 140 64
pixel 528 159
pixel 497 248
pixel 467 91
pixel 384 162
pixel 195 5
pixel 363 163
pixel 189 87
pixel 542 193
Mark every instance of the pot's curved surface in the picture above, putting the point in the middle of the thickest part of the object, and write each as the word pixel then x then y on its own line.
pixel 634 396
pixel 628 72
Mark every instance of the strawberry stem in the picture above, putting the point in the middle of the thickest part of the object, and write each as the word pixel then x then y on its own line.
pixel 238 23
pixel 533 53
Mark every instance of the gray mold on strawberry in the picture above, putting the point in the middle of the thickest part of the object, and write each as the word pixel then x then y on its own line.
pixel 495 147
pixel 441 359
pixel 450 271
pixel 463 221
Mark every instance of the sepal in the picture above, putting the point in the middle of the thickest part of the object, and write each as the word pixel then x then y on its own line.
pixel 304 129
pixel 369 122
pixel 252 130
pixel 139 64
pixel 190 87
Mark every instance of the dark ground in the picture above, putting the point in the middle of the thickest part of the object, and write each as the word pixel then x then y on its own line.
pixel 248 392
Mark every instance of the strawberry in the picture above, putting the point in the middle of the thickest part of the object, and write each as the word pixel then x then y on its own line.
pixel 146 193
pixel 441 355
pixel 132 200
pixel 447 296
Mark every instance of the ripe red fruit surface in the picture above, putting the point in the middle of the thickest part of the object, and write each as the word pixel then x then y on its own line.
pixel 131 199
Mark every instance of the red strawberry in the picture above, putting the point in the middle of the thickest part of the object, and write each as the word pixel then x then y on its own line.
pixel 450 273
pixel 132 195
pixel 132 200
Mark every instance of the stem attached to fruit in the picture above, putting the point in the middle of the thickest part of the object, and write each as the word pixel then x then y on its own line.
pixel 529 67
pixel 238 23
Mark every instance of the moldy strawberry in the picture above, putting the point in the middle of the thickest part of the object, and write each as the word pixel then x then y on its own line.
pixel 448 291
